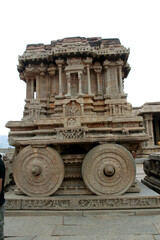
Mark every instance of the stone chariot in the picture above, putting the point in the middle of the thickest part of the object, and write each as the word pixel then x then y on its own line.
pixel 77 132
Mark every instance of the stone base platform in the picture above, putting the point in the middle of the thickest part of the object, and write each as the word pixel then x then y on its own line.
pixel 152 182
pixel 145 199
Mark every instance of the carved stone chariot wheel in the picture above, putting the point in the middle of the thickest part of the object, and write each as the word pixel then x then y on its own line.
pixel 108 169
pixel 38 171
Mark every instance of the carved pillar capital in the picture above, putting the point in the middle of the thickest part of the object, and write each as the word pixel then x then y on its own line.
pixel 51 70
pixel 60 62
pixel 120 63
pixel 106 64
pixel 27 79
pixel 42 69
pixel 88 61
pixel 97 68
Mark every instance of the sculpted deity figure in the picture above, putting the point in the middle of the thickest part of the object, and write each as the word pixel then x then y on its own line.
pixel 72 109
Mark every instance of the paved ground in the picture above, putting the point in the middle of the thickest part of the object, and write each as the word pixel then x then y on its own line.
pixel 118 226
pixel 86 225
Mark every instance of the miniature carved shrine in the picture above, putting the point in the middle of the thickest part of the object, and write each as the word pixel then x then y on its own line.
pixel 77 132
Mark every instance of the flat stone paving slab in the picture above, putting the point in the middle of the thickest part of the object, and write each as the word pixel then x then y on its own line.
pixel 46 238
pixel 116 226
pixel 111 237
pixel 31 225
pixel 112 219
pixel 157 237
pixel 86 230
pixel 20 238
pixel 33 238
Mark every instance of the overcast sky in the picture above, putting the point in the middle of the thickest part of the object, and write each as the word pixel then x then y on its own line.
pixel 135 22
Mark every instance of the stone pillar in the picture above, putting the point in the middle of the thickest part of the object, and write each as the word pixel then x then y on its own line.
pixel 149 129
pixel 120 79
pixel 88 62
pixel 80 83
pixel 68 76
pixel 51 71
pixel 106 80
pixel 98 83
pixel 37 86
pixel 107 77
pixel 28 88
pixel 32 88
pixel 157 128
pixel 89 79
pixel 82 108
pixel 60 62
pixel 64 109
pixel 116 79
pixel 98 69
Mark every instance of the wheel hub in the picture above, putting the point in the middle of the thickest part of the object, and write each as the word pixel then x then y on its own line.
pixel 109 171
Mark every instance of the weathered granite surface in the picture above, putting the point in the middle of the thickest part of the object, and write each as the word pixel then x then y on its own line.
pixel 77 135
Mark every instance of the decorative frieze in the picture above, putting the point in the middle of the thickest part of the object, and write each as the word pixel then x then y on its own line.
pixel 84 203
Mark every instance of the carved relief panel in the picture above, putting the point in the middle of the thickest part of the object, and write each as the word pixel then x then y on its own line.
pixel 113 83
pixel 73 109
pixel 74 84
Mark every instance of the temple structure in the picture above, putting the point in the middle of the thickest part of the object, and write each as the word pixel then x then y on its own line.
pixel 78 131
pixel 151 121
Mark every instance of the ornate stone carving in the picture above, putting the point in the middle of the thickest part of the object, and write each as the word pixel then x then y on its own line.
pixel 71 122
pixel 75 101
pixel 51 70
pixel 84 203
pixel 38 171
pixel 73 109
pixel 72 133
pixel 42 69
pixel 108 169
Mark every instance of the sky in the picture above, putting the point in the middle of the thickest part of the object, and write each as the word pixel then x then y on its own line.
pixel 135 22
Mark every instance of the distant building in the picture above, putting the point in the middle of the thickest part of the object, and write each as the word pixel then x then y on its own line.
pixel 151 117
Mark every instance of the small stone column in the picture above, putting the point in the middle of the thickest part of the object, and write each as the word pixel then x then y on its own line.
pixel 98 83
pixel 107 80
pixel 149 129
pixel 157 128
pixel 37 86
pixel 82 108
pixel 51 71
pixel 68 76
pixel 64 109
pixel 88 62
pixel 80 83
pixel 98 69
pixel 30 88
pixel 60 62
pixel 120 79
